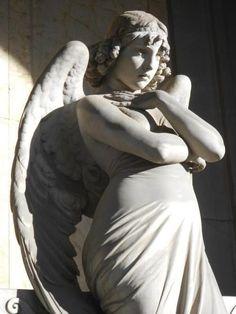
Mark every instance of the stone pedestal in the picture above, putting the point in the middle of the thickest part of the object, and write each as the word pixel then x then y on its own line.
pixel 20 301
pixel 14 301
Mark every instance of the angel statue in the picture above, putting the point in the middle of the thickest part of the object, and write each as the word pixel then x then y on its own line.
pixel 123 156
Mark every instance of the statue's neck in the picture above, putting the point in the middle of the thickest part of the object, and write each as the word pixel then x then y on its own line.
pixel 111 84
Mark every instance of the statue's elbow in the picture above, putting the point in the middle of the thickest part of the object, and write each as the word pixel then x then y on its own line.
pixel 221 152
pixel 217 153
pixel 169 154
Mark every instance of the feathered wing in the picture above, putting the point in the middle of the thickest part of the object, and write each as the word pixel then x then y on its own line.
pixel 54 182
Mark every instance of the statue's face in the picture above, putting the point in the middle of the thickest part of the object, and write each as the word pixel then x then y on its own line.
pixel 137 64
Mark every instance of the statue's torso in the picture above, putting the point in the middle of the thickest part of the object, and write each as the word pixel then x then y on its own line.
pixel 134 181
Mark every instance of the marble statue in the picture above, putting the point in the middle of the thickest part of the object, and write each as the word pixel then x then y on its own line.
pixel 124 156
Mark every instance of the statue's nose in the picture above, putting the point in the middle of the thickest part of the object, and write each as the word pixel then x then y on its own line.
pixel 152 62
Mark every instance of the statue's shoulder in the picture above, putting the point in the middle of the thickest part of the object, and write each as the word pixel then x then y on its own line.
pixel 183 80
pixel 177 85
pixel 92 101
pixel 93 97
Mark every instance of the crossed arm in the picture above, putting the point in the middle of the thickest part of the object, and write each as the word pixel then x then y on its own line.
pixel 105 123
pixel 202 138
pixel 172 100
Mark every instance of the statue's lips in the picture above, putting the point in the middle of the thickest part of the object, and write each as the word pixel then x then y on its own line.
pixel 144 76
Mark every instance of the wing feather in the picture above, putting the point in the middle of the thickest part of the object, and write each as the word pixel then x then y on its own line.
pixel 49 190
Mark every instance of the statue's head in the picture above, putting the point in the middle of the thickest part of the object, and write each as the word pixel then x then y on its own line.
pixel 130 30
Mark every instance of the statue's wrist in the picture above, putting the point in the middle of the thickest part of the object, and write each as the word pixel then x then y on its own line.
pixel 152 98
pixel 159 98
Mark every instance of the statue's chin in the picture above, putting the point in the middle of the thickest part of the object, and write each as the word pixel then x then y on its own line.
pixel 140 84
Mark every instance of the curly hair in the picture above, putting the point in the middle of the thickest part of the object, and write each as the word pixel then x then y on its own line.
pixel 125 28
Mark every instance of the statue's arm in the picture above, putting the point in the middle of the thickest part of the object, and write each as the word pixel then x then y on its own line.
pixel 172 100
pixel 107 124
pixel 180 88
pixel 202 138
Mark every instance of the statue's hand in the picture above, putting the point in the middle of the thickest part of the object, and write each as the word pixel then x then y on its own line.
pixel 195 163
pixel 121 98
pixel 130 100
